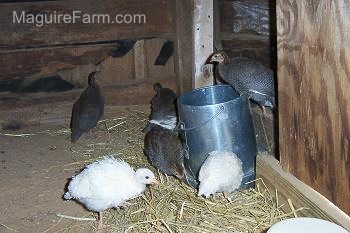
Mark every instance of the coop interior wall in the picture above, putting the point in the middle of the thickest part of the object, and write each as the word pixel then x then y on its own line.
pixel 242 28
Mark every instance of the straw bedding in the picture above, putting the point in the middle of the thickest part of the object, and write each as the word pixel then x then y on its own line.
pixel 171 206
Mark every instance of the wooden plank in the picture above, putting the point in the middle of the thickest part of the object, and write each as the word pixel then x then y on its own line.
pixel 156 22
pixel 139 59
pixel 226 15
pixel 265 129
pixel 217 28
pixel 248 15
pixel 55 108
pixel 314 97
pixel 152 49
pixel 256 47
pixel 183 43
pixel 203 21
pixel 48 61
pixel 115 70
pixel 301 195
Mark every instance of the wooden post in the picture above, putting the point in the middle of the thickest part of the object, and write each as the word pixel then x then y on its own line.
pixel 139 59
pixel 216 26
pixel 313 94
pixel 183 43
pixel 203 18
pixel 193 44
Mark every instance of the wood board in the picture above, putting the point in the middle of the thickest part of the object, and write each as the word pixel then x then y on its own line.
pixel 313 91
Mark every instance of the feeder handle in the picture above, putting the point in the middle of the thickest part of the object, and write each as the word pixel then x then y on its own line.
pixel 180 125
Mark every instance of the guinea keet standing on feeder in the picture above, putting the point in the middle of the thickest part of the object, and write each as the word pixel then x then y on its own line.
pixel 108 183
pixel 222 171
pixel 163 110
pixel 88 109
pixel 248 77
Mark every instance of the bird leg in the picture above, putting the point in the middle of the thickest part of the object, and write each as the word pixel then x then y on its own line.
pixel 226 196
pixel 124 205
pixel 90 134
pixel 264 110
pixel 100 226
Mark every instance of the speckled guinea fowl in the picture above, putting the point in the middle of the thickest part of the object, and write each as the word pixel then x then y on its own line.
pixel 247 77
pixel 163 111
pixel 88 109
pixel 165 151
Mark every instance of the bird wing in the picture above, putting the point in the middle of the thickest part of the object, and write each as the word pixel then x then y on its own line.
pixel 244 73
pixel 154 150
pixel 87 110
pixel 107 179
pixel 218 169
pixel 211 169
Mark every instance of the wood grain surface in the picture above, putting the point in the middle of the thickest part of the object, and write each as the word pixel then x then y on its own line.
pixel 28 35
pixel 314 97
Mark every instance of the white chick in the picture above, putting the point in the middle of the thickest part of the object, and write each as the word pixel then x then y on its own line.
pixel 221 172
pixel 108 183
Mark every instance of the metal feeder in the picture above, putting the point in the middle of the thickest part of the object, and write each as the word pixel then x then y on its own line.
pixel 216 118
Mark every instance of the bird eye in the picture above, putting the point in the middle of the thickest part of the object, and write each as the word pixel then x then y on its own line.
pixel 147 177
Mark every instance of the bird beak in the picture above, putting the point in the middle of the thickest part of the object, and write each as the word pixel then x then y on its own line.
pixel 154 181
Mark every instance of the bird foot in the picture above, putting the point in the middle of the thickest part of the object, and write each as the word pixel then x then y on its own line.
pixel 91 135
pixel 124 205
pixel 227 197
pixel 102 228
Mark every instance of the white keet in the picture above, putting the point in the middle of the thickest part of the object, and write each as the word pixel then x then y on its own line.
pixel 108 183
pixel 221 172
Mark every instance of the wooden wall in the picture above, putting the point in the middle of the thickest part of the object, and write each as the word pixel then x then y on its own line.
pixel 247 28
pixel 31 56
pixel 314 96
pixel 28 44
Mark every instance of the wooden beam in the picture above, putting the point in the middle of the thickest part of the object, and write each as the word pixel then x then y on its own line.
pixel 256 47
pixel 55 108
pixel 203 21
pixel 49 61
pixel 153 20
pixel 301 195
pixel 152 50
pixel 183 43
pixel 33 63
pixel 313 94
pixel 139 59
pixel 247 15
pixel 217 28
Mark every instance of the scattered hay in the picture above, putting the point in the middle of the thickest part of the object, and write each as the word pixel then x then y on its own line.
pixel 171 206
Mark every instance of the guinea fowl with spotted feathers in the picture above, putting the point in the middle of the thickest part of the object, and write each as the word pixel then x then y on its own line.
pixel 165 151
pixel 163 108
pixel 248 77
pixel 88 109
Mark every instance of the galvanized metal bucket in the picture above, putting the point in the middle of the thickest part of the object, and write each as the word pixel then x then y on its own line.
pixel 216 118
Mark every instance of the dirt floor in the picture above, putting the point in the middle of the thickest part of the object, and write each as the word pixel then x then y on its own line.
pixel 35 169
pixel 36 164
